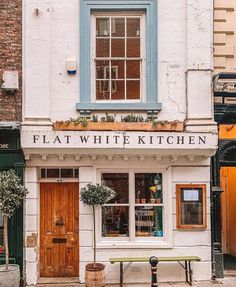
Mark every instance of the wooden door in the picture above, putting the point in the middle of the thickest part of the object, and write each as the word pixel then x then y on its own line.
pixel 228 183
pixel 59 226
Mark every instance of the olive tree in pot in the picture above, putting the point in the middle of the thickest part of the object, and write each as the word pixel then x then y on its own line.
pixel 95 195
pixel 12 192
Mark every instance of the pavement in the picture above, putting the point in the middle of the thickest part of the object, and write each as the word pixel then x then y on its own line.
pixel 225 282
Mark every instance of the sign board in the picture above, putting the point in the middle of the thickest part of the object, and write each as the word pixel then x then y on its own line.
pixel 120 140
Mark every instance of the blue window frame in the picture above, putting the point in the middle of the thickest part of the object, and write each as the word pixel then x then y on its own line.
pixel 86 9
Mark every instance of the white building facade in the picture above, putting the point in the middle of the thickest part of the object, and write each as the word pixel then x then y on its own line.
pixel 111 60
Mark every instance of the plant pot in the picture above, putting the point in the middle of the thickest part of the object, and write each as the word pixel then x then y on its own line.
pixel 137 200
pixel 158 200
pixel 10 277
pixel 143 200
pixel 152 200
pixel 94 275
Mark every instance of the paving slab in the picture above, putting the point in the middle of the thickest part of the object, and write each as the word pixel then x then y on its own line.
pixel 226 282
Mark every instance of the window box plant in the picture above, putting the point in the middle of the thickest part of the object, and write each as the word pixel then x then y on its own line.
pixel 12 192
pixel 87 125
pixel 95 195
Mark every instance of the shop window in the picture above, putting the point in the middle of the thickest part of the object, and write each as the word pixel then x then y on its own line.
pixel 118 47
pixel 137 209
pixel 191 206
pixel 115 215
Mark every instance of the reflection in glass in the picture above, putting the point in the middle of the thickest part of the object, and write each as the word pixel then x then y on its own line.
pixel 117 27
pixel 120 183
pixel 102 48
pixel 148 221
pixel 118 48
pixel 133 27
pixel 102 27
pixel 191 209
pixel 115 221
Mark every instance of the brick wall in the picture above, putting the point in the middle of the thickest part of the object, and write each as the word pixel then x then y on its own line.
pixel 10 56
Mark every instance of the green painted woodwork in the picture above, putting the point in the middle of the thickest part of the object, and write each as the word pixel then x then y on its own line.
pixel 160 259
pixel 12 158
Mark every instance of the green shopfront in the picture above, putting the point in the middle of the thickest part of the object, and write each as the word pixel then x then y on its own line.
pixel 11 157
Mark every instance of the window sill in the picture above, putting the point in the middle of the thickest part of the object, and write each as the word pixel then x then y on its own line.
pixel 135 245
pixel 118 106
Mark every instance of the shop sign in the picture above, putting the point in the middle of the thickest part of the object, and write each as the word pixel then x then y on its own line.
pixel 127 140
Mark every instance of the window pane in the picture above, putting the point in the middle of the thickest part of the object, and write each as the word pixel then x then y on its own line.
pixel 117 27
pixel 148 188
pixel 102 90
pixel 43 172
pixel 52 172
pixel 115 221
pixel 191 206
pixel 133 90
pixel 118 48
pixel 102 48
pixel 102 70
pixel 120 183
pixel 67 172
pixel 132 69
pixel 118 90
pixel 102 27
pixel 133 48
pixel 133 27
pixel 118 68
pixel 148 221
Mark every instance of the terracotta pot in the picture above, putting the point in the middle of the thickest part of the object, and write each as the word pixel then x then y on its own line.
pixel 137 200
pixel 143 200
pixel 95 275
pixel 158 200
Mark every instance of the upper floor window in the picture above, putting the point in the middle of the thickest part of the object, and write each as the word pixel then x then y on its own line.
pixel 119 57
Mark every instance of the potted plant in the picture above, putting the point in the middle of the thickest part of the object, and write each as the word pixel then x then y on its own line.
pixel 95 195
pixel 12 192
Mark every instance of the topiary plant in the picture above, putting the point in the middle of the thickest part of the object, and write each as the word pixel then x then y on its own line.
pixel 12 192
pixel 93 195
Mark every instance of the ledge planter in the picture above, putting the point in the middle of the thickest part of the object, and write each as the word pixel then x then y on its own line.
pixel 95 195
pixel 12 192
pixel 119 126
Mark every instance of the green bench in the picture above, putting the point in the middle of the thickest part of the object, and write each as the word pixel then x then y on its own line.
pixel 184 261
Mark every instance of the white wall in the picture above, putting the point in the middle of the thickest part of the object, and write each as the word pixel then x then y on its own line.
pixel 184 55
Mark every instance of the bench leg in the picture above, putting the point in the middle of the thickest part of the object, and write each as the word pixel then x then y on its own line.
pixel 190 273
pixel 186 271
pixel 121 274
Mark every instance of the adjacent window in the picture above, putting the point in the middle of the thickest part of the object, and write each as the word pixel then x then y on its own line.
pixel 119 57
pixel 137 209
pixel 191 206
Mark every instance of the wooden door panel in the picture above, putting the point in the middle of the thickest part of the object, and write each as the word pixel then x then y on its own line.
pixel 228 183
pixel 59 241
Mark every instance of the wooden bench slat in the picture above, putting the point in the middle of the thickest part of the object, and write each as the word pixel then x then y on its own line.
pixel 161 259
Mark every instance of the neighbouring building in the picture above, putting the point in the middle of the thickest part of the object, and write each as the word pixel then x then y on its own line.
pixel 224 162
pixel 118 92
pixel 11 155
